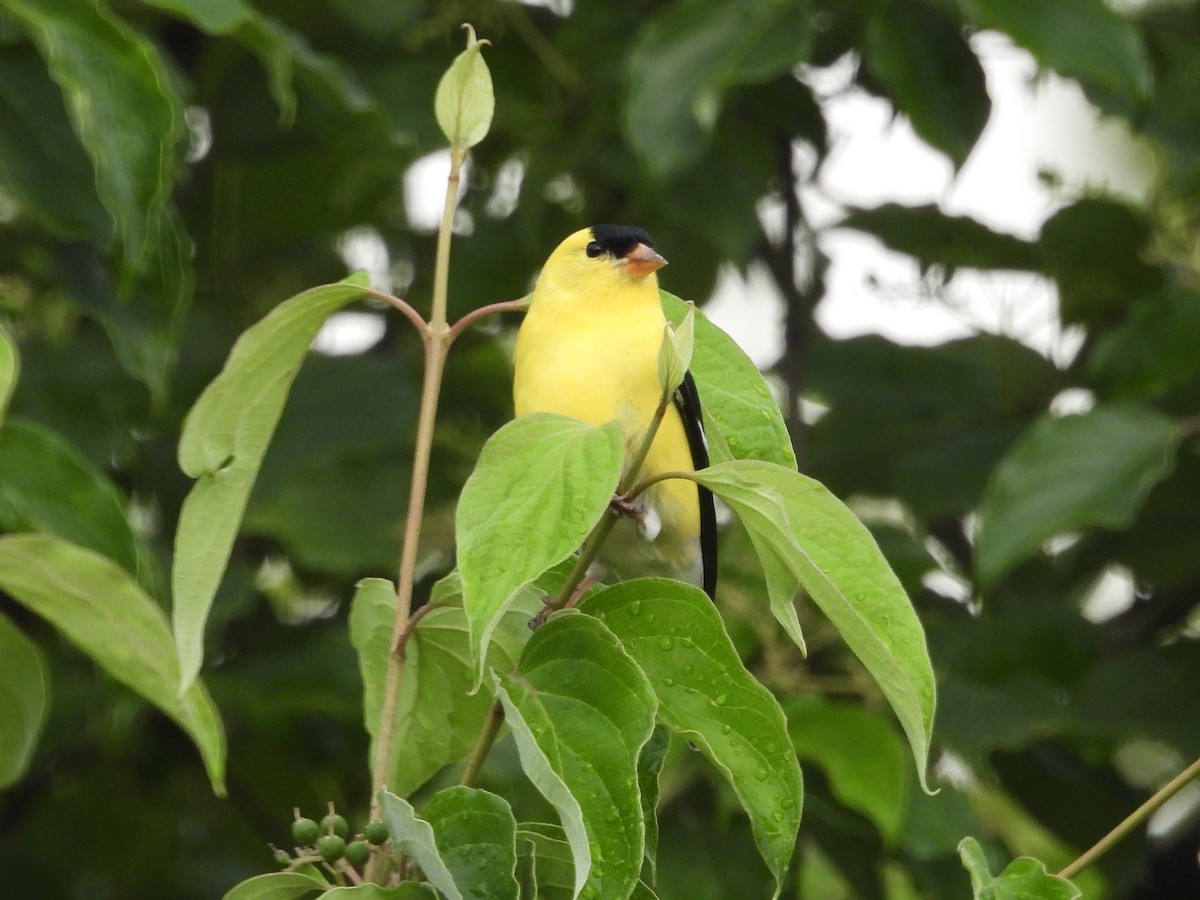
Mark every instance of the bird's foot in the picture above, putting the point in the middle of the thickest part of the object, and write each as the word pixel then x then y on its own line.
pixel 647 520
pixel 543 614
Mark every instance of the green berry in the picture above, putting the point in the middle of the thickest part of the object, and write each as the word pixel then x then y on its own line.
pixel 305 831
pixel 335 824
pixel 376 832
pixel 331 847
pixel 357 853
pixel 281 856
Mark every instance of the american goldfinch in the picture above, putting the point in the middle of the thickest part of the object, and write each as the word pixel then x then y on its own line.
pixel 588 349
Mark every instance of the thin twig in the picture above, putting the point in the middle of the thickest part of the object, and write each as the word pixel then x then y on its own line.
pixel 411 314
pixel 476 314
pixel 1139 815
pixel 487 737
pixel 591 547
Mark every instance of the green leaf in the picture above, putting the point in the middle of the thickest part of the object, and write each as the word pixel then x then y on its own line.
pixel 650 763
pixel 224 438
pixel 118 92
pixel 24 698
pixel 684 59
pixel 923 424
pixel 933 237
pixel 254 31
pixel 438 716
pixel 920 55
pixel 541 484
pixel 1083 39
pixel 976 864
pixel 408 890
pixel 465 103
pixel 1022 879
pixel 550 865
pixel 675 352
pixel 476 836
pixel 1097 250
pixel 99 608
pixel 827 550
pixel 706 695
pixel 581 710
pixel 142 313
pixel 10 369
pixel 1069 473
pixel 413 836
pixel 42 162
pixel 336 497
pixel 861 755
pixel 47 485
pixel 277 886
pixel 742 419
pixel 1153 351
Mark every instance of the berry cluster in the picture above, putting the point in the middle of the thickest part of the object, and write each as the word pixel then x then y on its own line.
pixel 326 842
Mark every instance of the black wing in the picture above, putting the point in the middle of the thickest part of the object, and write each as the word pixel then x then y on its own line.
pixel 687 401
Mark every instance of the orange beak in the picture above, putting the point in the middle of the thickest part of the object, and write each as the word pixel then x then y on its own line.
pixel 642 260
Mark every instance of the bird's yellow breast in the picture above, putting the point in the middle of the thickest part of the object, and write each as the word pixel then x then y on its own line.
pixel 590 351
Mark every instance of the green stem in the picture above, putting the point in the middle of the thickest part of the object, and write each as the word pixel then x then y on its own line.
pixel 1139 815
pixel 595 540
pixel 487 737
pixel 436 336
pixel 470 318
pixel 441 270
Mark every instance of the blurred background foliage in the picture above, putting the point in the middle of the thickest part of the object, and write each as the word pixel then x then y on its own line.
pixel 172 169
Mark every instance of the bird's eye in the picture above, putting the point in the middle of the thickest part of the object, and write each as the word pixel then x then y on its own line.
pixel 593 249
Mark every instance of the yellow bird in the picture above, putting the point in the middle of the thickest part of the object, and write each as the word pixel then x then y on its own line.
pixel 588 349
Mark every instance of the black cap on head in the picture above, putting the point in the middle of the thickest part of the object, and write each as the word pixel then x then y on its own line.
pixel 616 240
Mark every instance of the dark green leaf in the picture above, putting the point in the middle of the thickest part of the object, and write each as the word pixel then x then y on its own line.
pixel 47 486
pixel 42 162
pixel 1096 249
pixel 785 107
pixel 103 612
pixel 581 710
pixel 920 55
pixel 119 95
pixel 707 697
pixel 542 482
pixel 933 237
pixel 1084 39
pixel 336 497
pixel 143 310
pixel 24 696
pixel 1071 473
pixel 861 754
pixel 650 763
pixel 687 55
pixel 1153 350
pixel 924 424
pixel 255 31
